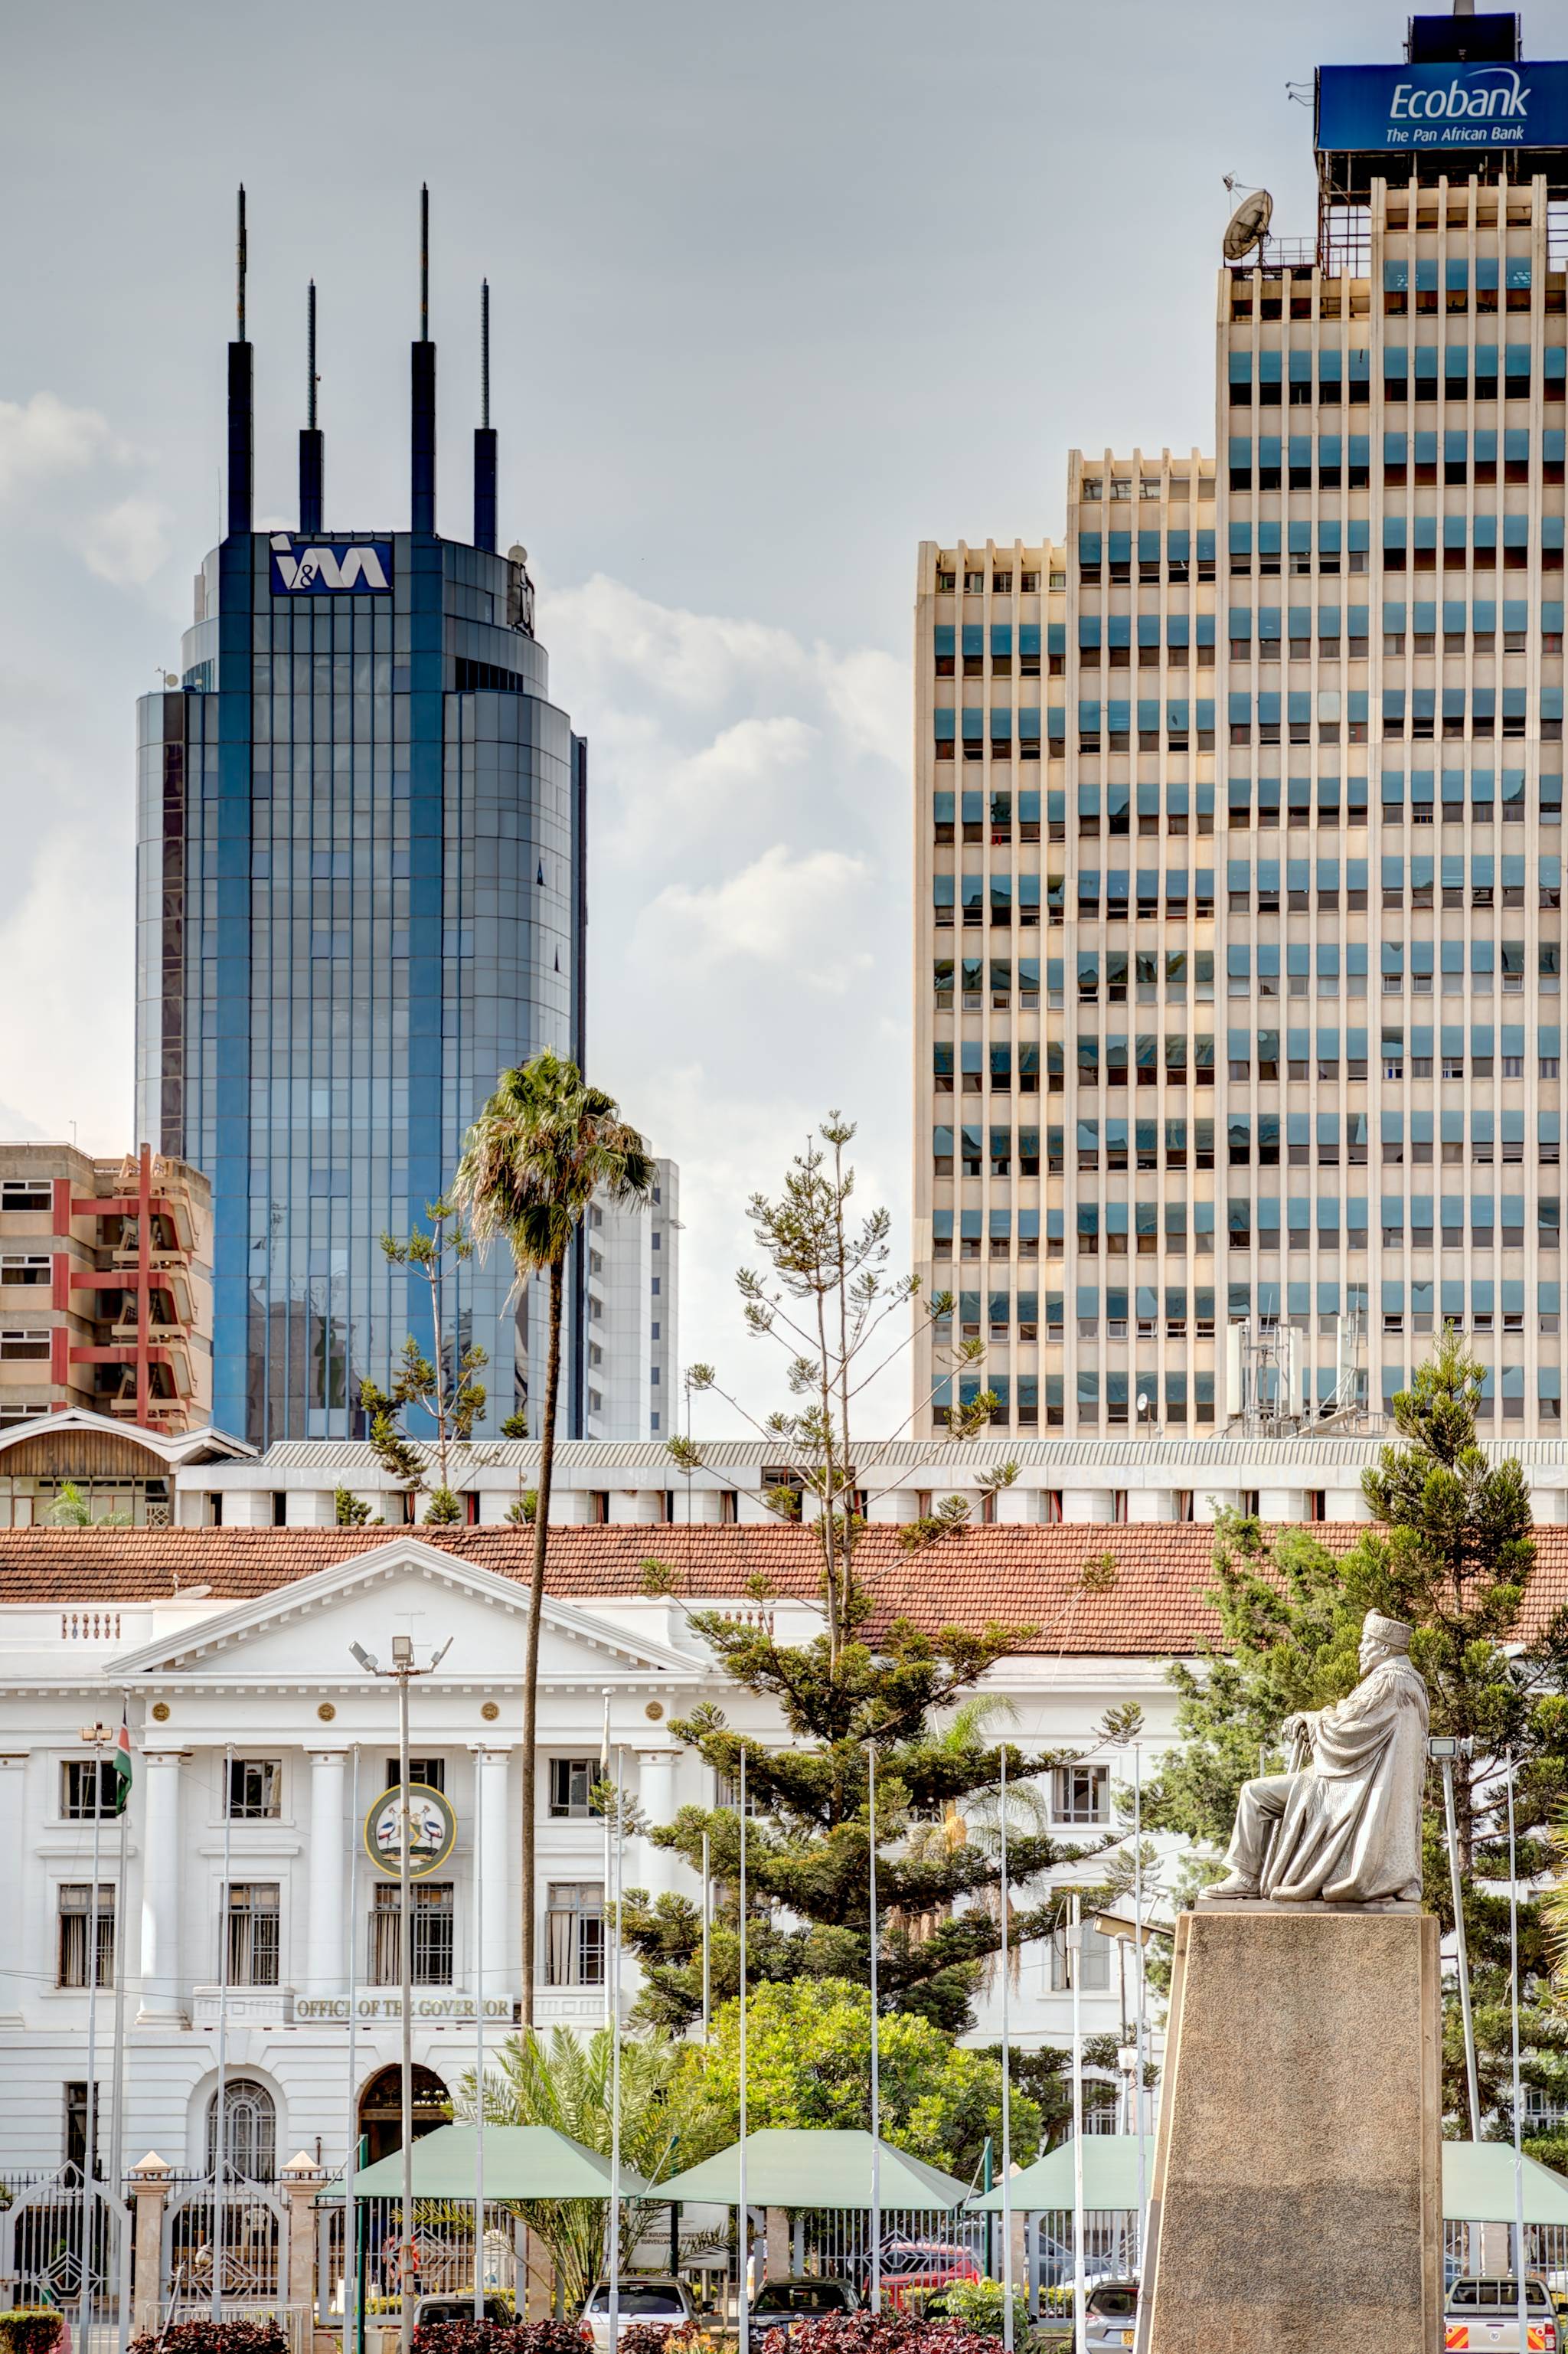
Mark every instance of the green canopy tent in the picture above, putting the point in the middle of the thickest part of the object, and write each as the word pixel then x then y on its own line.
pixel 814 2167
pixel 1110 2178
pixel 520 2162
pixel 1477 2182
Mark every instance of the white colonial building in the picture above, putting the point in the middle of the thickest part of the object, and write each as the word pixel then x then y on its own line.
pixel 248 1923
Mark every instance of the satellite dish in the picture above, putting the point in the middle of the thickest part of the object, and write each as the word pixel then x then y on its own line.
pixel 1143 1400
pixel 1248 224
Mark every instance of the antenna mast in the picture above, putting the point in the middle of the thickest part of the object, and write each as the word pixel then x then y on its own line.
pixel 484 457
pixel 312 443
pixel 422 451
pixel 241 395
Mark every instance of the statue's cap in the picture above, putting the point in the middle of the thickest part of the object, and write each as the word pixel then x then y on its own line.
pixel 1393 1633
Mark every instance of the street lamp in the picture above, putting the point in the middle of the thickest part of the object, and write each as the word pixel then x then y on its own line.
pixel 401 1672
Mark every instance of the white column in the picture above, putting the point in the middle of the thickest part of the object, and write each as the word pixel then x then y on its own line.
pixel 656 1795
pixel 18 1921
pixel 500 1957
pixel 325 1949
pixel 161 1981
pixel 1086 1504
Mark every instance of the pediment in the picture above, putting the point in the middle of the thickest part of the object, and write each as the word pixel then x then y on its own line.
pixel 306 1630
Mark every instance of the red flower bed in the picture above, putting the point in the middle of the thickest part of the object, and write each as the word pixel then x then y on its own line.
pixel 886 2333
pixel 471 2336
pixel 215 2338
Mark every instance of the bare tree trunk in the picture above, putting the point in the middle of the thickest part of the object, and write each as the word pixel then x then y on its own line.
pixel 535 1606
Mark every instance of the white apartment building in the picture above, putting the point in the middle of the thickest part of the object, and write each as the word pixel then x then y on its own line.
pixel 633 1308
pixel 1238 934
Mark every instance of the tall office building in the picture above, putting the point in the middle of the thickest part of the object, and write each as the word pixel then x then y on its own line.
pixel 360 895
pixel 632 1362
pixel 1239 812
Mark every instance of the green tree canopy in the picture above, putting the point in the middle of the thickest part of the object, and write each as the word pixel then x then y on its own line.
pixel 808 2063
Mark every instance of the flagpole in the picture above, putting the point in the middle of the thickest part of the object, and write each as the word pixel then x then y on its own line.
pixel 707 1910
pixel 350 2315
pixel 478 2042
pixel 1075 1960
pixel 742 2228
pixel 1138 1989
pixel 1006 2087
pixel 1520 2288
pixel 613 1978
pixel 89 2155
pixel 117 2097
pixel 220 2138
pixel 875 2050
pixel 604 1777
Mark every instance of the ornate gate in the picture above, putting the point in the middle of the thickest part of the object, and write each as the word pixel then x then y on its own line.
pixel 230 2225
pixel 59 2232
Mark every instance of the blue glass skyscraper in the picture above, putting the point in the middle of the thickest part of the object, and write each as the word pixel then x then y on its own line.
pixel 359 896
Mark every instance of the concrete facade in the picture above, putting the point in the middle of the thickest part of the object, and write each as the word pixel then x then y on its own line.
pixel 1238 848
pixel 631 1381
pixel 105 1287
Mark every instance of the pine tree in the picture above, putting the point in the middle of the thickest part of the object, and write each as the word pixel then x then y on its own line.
pixel 828 1301
pixel 1453 1557
pixel 939 1868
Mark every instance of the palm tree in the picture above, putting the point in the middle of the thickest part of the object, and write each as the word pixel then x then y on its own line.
pixel 543 1148
pixel 668 2119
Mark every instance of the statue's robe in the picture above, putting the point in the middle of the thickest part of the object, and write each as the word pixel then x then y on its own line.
pixel 1351 1832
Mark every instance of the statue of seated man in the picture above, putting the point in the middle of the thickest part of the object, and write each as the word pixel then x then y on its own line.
pixel 1346 1828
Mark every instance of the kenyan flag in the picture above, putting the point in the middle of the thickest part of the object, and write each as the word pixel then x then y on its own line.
pixel 123 1766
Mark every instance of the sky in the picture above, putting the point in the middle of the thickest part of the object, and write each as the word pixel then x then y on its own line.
pixel 775 294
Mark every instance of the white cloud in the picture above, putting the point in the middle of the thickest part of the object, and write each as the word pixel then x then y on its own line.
pixel 66 1062
pixel 43 439
pixel 792 914
pixel 129 543
pixel 748 918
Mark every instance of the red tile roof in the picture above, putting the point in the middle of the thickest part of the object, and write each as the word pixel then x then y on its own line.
pixel 1150 1600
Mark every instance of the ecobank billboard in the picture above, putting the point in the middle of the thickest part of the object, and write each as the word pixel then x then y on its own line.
pixel 1442 107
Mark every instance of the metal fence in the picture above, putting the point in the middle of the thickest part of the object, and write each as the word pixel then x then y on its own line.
pixel 444 2242
pixel 1546 2248
pixel 1110 2252
pixel 227 2232
pixel 59 2235
pixel 920 2247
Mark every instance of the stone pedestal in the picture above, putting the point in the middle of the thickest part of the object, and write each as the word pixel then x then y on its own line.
pixel 1297 2197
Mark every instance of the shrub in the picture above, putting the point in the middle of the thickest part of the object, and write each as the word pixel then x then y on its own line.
pixel 886 2333
pixel 657 2338
pixel 471 2336
pixel 30 2329
pixel 981 2305
pixel 214 2337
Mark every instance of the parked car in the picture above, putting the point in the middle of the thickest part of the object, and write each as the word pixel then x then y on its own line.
pixel 664 2302
pixel 781 2305
pixel 1056 2268
pixel 1481 2316
pixel 912 2268
pixel 461 2309
pixel 1110 2316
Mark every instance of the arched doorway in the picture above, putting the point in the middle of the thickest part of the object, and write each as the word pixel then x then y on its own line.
pixel 381 2109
